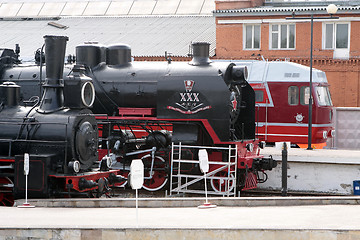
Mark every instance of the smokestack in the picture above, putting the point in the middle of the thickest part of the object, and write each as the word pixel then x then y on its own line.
pixel 200 53
pixel 53 98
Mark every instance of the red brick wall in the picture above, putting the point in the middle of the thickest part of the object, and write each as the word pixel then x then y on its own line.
pixel 354 39
pixel 344 80
pixel 229 42
pixel 343 75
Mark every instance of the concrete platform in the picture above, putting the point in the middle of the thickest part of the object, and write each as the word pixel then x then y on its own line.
pixel 330 222
pixel 191 202
pixel 317 155
pixel 320 170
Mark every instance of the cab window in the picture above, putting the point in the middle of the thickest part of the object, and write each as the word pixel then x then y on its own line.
pixel 259 96
pixel 304 95
pixel 323 96
pixel 293 95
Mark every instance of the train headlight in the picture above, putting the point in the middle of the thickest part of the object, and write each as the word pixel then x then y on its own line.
pixel 333 133
pixel 250 147
pixel 74 166
pixel 88 94
pixel 324 134
pixel 108 161
pixel 240 73
pixel 105 163
pixel 235 75
pixel 262 144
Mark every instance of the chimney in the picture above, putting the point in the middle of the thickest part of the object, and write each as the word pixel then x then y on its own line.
pixel 53 97
pixel 200 53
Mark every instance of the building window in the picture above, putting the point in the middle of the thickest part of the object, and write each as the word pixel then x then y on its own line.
pixel 293 95
pixel 251 36
pixel 336 35
pixel 282 36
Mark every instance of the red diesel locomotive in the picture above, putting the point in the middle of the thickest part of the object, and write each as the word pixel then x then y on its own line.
pixel 282 97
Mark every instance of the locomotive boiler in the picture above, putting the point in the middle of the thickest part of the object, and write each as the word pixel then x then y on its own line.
pixel 199 89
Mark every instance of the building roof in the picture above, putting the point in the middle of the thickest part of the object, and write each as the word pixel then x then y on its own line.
pixel 42 8
pixel 147 36
pixel 279 3
pixel 271 10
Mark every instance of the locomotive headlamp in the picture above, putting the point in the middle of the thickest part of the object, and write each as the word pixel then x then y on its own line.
pixel 332 133
pixel 250 147
pixel 240 73
pixel 105 163
pixel 108 162
pixel 262 144
pixel 88 94
pixel 79 91
pixel 324 134
pixel 74 166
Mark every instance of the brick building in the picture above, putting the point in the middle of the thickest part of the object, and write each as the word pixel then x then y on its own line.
pixel 254 29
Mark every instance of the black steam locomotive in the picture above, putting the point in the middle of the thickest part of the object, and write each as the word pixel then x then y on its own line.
pixel 143 110
pixel 61 139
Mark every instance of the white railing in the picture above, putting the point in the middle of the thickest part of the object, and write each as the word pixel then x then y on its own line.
pixel 222 174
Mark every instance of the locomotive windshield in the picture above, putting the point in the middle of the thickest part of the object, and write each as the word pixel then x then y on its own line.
pixel 323 96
